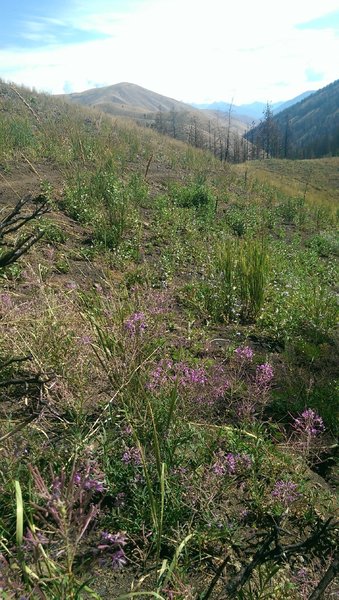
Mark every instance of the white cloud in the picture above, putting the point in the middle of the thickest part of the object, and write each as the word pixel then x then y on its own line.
pixel 190 50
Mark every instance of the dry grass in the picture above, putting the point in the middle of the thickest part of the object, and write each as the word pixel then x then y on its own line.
pixel 317 180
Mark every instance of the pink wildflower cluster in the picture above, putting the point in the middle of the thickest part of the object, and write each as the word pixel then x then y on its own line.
pixel 231 464
pixel 6 301
pixel 86 482
pixel 161 375
pixel 158 303
pixel 244 353
pixel 136 323
pixel 167 372
pixel 189 376
pixel 309 423
pixel 285 492
pixel 132 456
pixel 218 382
pixel 264 375
pixel 205 386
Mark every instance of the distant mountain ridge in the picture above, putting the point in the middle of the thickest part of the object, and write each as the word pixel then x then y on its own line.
pixel 254 110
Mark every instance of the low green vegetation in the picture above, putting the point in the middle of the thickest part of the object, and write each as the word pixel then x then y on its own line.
pixel 168 376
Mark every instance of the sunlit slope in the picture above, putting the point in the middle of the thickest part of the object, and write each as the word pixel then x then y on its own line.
pixel 317 179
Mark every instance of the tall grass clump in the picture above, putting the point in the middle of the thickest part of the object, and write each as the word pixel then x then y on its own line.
pixel 234 289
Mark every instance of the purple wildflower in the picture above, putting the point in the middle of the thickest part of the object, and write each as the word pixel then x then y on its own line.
pixel 219 468
pixel 244 352
pixel 6 300
pixel 264 374
pixel 191 376
pixel 131 456
pixel 112 544
pixel 93 484
pixel 309 423
pixel 88 483
pixel 136 323
pixel 219 390
pixel 301 574
pixel 285 492
pixel 159 377
pixel 119 559
pixel 127 430
pixel 114 538
pixel 231 464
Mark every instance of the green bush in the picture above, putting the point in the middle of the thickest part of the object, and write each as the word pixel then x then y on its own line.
pixel 324 244
pixel 196 196
pixel 53 233
pixel 103 202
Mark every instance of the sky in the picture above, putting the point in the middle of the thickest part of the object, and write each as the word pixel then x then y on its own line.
pixel 191 50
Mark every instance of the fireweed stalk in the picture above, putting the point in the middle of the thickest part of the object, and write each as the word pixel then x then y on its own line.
pixel 136 324
pixel 285 492
pixel 69 506
pixel 252 401
pixel 308 426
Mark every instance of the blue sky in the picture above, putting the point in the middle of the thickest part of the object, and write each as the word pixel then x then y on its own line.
pixel 191 50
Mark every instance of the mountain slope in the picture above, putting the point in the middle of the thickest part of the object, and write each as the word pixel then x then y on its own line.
pixel 202 129
pixel 279 106
pixel 308 129
pixel 127 98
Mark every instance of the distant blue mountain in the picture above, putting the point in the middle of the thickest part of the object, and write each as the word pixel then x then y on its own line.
pixel 253 110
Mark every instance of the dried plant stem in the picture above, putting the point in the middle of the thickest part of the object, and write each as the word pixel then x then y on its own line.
pixel 25 103
pixel 9 185
pixel 148 166
pixel 96 423
pixel 326 580
pixel 31 166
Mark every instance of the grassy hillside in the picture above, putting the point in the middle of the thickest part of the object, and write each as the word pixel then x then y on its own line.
pixel 317 180
pixel 201 129
pixel 167 367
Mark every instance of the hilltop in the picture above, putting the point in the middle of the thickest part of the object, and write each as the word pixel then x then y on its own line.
pixel 127 99
pixel 202 129
pixel 168 327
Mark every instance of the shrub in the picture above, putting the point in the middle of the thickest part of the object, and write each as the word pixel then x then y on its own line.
pixel 324 244
pixel 196 196
pixel 102 202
